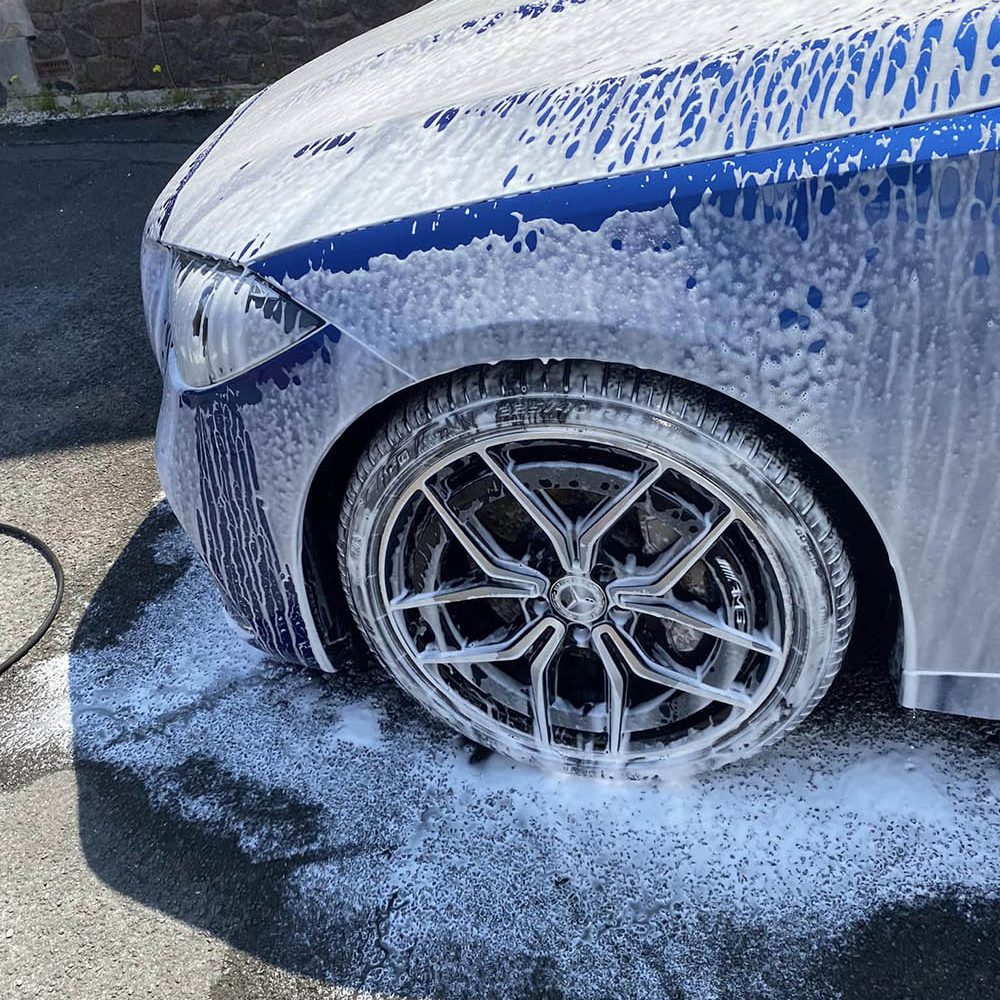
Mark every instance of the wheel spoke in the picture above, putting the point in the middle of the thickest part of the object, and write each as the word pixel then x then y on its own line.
pixel 556 526
pixel 494 652
pixel 608 515
pixel 617 702
pixel 540 682
pixel 617 689
pixel 529 584
pixel 610 640
pixel 663 580
pixel 692 618
pixel 453 595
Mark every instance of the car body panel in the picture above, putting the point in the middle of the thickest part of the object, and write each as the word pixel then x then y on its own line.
pixel 459 102
pixel 237 461
pixel 842 286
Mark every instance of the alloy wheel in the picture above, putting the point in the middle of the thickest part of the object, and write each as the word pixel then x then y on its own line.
pixel 586 598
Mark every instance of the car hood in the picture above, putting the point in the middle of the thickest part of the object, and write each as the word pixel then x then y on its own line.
pixel 466 100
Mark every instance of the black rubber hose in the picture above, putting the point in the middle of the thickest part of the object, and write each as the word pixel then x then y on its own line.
pixel 19 534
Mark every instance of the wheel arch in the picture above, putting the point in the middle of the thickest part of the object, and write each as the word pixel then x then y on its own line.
pixel 882 626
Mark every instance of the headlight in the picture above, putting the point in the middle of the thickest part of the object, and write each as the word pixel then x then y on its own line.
pixel 156 262
pixel 223 320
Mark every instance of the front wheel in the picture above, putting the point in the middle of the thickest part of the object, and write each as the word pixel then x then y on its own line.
pixel 593 568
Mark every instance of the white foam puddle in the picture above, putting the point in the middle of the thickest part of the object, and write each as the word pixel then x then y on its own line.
pixel 455 865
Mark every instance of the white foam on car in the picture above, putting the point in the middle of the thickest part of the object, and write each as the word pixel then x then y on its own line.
pixel 463 101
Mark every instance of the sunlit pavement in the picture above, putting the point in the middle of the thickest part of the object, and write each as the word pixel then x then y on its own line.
pixel 181 817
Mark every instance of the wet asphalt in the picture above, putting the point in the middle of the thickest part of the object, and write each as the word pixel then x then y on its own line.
pixel 113 885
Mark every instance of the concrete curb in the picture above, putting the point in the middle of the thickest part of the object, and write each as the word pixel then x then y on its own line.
pixel 31 110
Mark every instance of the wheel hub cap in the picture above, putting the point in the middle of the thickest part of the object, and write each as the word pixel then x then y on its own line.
pixel 579 600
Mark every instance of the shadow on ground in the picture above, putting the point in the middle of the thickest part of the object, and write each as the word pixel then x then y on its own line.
pixel 326 827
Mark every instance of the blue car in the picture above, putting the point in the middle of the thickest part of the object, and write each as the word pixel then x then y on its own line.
pixel 606 361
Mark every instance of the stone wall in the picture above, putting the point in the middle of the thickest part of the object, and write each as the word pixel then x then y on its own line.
pixel 110 45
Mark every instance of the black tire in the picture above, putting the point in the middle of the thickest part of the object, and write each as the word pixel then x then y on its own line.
pixel 803 583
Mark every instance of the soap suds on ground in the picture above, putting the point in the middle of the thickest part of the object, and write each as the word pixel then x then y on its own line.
pixel 412 866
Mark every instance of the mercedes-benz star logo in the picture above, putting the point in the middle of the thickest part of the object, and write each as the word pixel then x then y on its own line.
pixel 579 599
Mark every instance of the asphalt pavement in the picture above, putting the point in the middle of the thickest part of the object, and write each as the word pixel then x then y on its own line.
pixel 181 817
